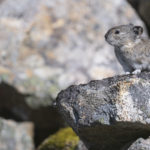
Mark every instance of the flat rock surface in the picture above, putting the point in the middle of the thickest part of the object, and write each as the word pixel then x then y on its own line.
pixel 108 113
pixel 16 136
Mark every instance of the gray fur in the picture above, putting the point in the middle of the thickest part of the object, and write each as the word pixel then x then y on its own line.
pixel 132 51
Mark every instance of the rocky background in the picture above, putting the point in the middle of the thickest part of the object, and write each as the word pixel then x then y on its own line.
pixel 45 46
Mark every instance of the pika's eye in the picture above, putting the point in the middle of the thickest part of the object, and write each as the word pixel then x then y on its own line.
pixel 136 32
pixel 117 32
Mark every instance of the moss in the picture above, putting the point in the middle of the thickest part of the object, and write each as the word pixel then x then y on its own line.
pixel 102 120
pixel 35 102
pixel 4 77
pixel 33 82
pixel 64 139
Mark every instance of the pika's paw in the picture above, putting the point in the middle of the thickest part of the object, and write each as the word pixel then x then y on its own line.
pixel 137 71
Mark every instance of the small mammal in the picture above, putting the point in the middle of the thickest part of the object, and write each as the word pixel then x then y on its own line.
pixel 131 49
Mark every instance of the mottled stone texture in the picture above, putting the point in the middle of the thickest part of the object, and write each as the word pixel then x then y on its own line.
pixel 140 144
pixel 45 42
pixel 109 113
pixel 46 45
pixel 16 136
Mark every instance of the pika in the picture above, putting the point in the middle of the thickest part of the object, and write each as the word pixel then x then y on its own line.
pixel 131 49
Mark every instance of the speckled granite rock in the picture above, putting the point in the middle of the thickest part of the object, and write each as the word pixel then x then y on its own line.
pixel 108 113
pixel 44 50
pixel 140 144
pixel 16 136
pixel 81 146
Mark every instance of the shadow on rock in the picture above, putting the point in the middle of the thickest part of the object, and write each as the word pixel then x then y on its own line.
pixel 14 105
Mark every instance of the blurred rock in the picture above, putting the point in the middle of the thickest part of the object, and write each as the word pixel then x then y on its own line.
pixel 13 105
pixel 81 146
pixel 16 136
pixel 47 45
pixel 140 144
pixel 142 7
pixel 109 113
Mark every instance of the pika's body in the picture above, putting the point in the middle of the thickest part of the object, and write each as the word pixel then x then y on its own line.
pixel 131 49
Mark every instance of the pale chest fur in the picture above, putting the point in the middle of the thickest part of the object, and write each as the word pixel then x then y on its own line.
pixel 138 52
pixel 125 58
pixel 134 56
pixel 130 54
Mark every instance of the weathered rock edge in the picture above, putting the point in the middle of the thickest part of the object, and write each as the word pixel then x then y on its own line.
pixel 110 113
pixel 140 144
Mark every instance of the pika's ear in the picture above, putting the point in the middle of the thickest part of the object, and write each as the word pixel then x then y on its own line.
pixel 138 30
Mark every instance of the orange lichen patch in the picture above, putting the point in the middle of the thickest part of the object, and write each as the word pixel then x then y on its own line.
pixel 75 11
pixel 42 25
pixel 125 103
pixel 59 23
pixel 29 126
pixel 4 70
pixel 124 87
pixel 43 19
pixel 50 55
pixel 6 75
pixel 26 52
pixel 29 73
pixel 101 72
pixel 11 23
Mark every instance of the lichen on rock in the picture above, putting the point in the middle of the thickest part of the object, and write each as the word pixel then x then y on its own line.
pixel 64 139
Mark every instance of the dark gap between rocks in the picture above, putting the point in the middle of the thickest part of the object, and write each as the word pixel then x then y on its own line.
pixel 13 106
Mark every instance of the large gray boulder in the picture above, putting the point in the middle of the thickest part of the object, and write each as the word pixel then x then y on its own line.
pixel 16 136
pixel 44 43
pixel 109 113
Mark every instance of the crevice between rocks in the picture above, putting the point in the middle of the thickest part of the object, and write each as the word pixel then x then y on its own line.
pixel 46 119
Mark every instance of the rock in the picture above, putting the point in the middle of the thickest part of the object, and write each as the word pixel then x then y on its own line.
pixel 16 136
pixel 64 139
pixel 14 105
pixel 142 7
pixel 109 113
pixel 81 146
pixel 42 48
pixel 140 144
